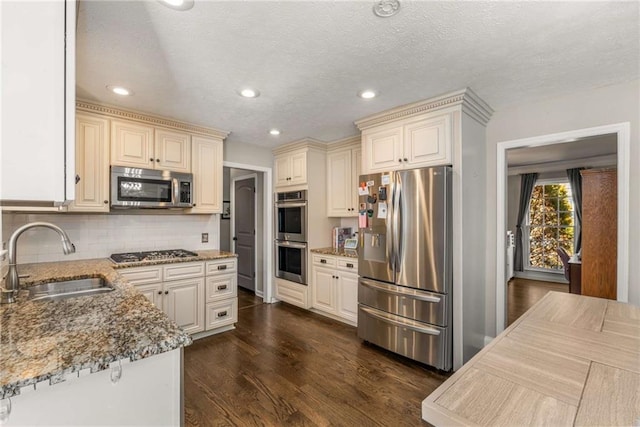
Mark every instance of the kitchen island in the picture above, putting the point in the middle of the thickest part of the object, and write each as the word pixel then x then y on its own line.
pixel 569 360
pixel 112 358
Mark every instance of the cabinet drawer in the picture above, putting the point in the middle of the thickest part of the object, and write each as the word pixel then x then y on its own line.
pixel 222 266
pixel 142 275
pixel 220 287
pixel 324 261
pixel 183 270
pixel 221 313
pixel 348 264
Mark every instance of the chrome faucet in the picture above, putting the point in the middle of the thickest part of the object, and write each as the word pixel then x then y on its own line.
pixel 9 289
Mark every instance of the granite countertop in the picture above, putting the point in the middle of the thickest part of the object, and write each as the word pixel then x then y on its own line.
pixel 349 253
pixel 54 340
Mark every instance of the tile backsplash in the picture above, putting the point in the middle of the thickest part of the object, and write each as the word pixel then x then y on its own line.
pixel 98 236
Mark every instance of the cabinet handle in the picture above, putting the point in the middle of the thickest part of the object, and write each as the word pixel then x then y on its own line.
pixel 77 178
pixel 349 265
pixel 222 287
pixel 222 267
pixel 166 292
pixel 222 313
pixel 323 261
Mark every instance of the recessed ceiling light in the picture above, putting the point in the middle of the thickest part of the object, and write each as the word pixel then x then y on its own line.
pixel 249 93
pixel 119 90
pixel 367 94
pixel 274 132
pixel 386 8
pixel 177 4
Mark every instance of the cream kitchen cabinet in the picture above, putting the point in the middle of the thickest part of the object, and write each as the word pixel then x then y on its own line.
pixel 206 162
pixel 143 146
pixel 408 144
pixel 221 293
pixel 37 97
pixel 291 169
pixel 335 287
pixel 343 171
pixel 92 164
pixel 177 289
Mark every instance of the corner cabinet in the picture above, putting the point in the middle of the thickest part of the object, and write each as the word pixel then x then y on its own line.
pixel 38 96
pixel 343 170
pixel 291 169
pixel 92 164
pixel 408 144
pixel 206 161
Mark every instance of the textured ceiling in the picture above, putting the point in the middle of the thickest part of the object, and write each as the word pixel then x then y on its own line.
pixel 310 58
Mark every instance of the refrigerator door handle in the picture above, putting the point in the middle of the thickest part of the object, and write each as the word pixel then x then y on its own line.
pixel 391 233
pixel 395 290
pixel 408 323
pixel 397 223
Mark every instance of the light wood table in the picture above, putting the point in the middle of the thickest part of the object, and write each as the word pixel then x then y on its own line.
pixel 569 360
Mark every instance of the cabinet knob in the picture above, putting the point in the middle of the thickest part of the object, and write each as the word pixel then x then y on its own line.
pixel 166 292
pixel 158 160
pixel 159 292
pixel 194 205
pixel 405 159
pixel 106 202
pixel 400 160
pixel 337 277
pixel 77 178
pixel 151 159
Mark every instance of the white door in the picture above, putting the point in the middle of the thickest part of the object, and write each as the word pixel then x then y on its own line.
pixel 244 216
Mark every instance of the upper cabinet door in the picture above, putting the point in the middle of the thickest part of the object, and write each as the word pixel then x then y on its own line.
pixel 383 149
pixel 92 164
pixel 207 174
pixel 428 142
pixel 282 166
pixel 132 144
pixel 298 168
pixel 172 151
pixel 38 101
pixel 339 197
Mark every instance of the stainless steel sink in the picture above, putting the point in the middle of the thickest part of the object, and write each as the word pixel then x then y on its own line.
pixel 69 289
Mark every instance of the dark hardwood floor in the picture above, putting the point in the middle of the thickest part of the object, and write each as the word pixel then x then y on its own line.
pixel 522 294
pixel 287 366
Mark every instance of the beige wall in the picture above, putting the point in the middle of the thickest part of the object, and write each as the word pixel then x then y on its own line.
pixel 597 107
pixel 248 154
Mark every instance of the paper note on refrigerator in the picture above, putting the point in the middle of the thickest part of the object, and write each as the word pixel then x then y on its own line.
pixel 363 191
pixel 362 220
pixel 382 210
pixel 385 179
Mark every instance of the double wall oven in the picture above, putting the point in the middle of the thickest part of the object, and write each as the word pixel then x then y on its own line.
pixel 291 236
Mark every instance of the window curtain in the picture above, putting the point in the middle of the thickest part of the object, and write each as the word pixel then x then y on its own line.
pixel 575 181
pixel 527 182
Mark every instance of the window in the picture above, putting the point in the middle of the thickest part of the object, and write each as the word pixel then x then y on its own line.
pixel 550 224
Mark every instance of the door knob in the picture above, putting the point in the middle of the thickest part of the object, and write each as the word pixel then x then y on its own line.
pixel 235 239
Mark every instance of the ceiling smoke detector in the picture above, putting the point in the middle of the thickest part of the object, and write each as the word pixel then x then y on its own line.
pixel 386 8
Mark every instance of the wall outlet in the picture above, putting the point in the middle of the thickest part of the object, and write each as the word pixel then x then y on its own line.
pixel 205 238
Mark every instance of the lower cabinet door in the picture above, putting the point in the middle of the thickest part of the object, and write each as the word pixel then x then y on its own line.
pixel 153 292
pixel 184 303
pixel 323 292
pixel 347 290
pixel 221 313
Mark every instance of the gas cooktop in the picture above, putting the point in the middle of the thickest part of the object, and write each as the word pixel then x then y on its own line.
pixel 150 256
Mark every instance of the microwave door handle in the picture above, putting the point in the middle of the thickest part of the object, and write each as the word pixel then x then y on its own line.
pixel 291 244
pixel 175 196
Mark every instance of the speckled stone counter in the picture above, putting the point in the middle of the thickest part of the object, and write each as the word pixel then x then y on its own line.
pixel 55 340
pixel 349 253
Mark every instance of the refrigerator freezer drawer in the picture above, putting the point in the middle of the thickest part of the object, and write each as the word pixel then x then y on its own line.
pixel 423 306
pixel 416 340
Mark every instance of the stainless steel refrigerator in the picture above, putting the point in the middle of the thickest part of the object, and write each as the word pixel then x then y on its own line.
pixel 405 263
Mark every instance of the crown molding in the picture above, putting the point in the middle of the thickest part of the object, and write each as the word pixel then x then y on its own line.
pixel 308 143
pixel 345 143
pixel 471 104
pixel 116 112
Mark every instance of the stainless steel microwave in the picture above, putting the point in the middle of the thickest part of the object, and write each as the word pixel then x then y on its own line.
pixel 291 216
pixel 148 188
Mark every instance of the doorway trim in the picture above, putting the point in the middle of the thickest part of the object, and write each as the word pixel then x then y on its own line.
pixel 622 130
pixel 232 228
pixel 267 221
